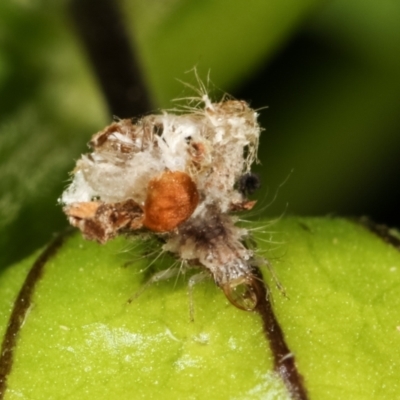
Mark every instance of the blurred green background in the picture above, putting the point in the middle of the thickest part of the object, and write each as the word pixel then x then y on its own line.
pixel 329 73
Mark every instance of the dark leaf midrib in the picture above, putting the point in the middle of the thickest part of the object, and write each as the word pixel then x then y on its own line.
pixel 284 360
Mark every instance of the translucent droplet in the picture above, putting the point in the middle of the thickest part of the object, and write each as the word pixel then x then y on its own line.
pixel 241 293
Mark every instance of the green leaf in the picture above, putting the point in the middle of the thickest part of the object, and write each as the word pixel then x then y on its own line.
pixel 81 338
pixel 342 314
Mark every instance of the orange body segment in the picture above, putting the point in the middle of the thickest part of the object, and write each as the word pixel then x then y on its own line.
pixel 171 200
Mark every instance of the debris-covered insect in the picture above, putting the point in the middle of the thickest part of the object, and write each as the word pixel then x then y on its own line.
pixel 179 176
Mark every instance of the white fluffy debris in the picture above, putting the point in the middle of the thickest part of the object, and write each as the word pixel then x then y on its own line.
pixel 208 144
